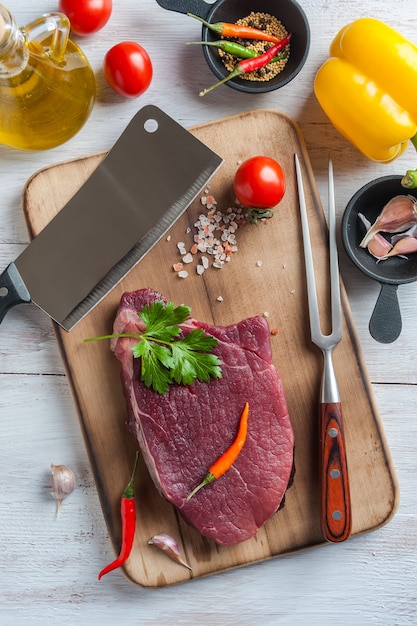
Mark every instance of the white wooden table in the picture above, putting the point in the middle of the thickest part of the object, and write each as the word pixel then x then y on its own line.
pixel 48 567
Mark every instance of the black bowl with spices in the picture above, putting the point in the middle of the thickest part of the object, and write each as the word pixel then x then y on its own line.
pixel 262 14
pixel 292 19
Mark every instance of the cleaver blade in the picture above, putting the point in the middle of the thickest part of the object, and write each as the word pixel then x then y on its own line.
pixel 147 180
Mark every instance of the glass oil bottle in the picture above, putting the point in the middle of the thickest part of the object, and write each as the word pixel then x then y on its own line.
pixel 47 86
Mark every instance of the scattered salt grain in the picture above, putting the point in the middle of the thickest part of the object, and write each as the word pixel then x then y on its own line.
pixel 183 274
pixel 177 267
pixel 266 314
pixel 200 270
pixel 169 238
pixel 181 248
pixel 219 298
pixel 188 258
pixel 204 262
pixel 259 263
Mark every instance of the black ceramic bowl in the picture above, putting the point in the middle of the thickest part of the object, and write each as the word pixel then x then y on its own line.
pixel 385 324
pixel 288 12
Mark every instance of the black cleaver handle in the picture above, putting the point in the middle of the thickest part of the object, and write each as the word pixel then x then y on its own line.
pixel 12 290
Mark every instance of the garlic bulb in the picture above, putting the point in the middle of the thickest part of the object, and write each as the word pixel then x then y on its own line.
pixel 169 545
pixel 397 215
pixel 62 482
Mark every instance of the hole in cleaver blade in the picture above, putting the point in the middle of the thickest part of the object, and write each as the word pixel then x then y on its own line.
pixel 147 180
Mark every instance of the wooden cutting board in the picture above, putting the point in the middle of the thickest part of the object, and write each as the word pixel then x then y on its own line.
pixel 266 276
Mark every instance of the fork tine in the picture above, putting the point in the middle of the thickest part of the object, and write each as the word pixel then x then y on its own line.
pixel 334 263
pixel 313 307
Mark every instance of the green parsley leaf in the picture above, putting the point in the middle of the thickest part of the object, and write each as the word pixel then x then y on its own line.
pixel 190 364
pixel 162 321
pixel 152 373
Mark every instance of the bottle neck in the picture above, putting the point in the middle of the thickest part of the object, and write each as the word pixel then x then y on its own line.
pixel 13 50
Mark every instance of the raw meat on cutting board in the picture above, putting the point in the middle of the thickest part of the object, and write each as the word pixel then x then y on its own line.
pixel 182 432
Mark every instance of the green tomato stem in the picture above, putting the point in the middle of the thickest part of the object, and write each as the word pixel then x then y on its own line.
pixel 259 214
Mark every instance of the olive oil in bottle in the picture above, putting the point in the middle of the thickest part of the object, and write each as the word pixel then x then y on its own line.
pixel 47 87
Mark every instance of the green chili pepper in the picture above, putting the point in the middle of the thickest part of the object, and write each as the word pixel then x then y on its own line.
pixel 236 49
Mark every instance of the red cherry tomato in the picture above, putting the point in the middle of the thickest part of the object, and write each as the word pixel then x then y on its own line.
pixel 86 16
pixel 128 69
pixel 259 182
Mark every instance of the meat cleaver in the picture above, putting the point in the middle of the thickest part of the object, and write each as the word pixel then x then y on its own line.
pixel 148 179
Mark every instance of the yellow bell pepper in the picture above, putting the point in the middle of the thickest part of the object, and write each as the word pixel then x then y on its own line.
pixel 368 89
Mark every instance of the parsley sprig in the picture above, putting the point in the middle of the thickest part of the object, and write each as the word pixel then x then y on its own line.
pixel 166 354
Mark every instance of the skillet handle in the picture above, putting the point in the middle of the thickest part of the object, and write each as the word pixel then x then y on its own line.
pixel 196 7
pixel 385 324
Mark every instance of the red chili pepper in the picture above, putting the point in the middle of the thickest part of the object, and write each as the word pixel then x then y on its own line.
pixel 227 459
pixel 225 29
pixel 128 514
pixel 250 65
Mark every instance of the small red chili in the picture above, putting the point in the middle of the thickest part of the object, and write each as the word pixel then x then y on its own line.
pixel 250 65
pixel 128 514
pixel 225 29
pixel 226 460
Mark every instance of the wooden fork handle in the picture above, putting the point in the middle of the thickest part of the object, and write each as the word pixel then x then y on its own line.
pixel 335 505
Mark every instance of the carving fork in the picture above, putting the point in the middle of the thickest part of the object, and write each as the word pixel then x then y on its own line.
pixel 335 505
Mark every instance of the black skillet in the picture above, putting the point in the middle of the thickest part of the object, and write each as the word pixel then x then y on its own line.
pixel 287 11
pixel 385 324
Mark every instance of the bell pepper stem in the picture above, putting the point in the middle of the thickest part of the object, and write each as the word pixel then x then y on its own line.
pixel 409 180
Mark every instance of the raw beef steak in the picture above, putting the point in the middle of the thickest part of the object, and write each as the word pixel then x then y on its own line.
pixel 182 432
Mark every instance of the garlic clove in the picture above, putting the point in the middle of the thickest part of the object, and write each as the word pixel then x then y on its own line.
pixel 379 246
pixel 405 245
pixel 63 483
pixel 397 215
pixel 169 545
